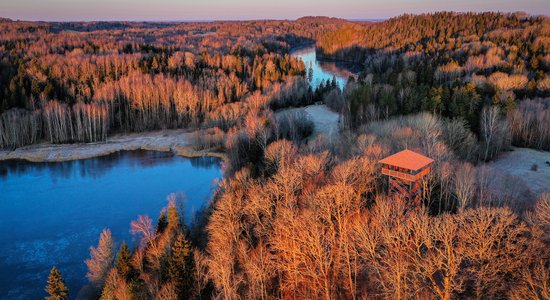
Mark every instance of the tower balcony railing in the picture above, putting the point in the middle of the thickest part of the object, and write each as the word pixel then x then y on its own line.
pixel 405 176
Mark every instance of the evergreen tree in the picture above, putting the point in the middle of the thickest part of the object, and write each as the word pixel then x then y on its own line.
pixel 123 264
pixel 173 217
pixel 162 223
pixel 310 73
pixel 56 288
pixel 181 268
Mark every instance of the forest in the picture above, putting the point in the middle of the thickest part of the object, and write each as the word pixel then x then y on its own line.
pixel 80 82
pixel 297 216
pixel 449 64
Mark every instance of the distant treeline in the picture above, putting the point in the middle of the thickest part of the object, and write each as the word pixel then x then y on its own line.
pixel 80 81
pixel 451 64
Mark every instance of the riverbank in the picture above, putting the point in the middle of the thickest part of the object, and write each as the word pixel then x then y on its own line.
pixel 177 140
pixel 322 71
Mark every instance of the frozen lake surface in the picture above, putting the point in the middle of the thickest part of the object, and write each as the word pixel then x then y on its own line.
pixel 51 213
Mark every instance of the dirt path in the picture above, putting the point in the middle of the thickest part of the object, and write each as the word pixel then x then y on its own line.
pixel 166 140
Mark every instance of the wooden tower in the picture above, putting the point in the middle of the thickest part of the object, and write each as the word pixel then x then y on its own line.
pixel 405 171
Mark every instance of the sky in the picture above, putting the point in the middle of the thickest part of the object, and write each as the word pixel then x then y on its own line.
pixel 181 10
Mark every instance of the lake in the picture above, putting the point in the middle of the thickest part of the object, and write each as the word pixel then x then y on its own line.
pixel 322 70
pixel 51 213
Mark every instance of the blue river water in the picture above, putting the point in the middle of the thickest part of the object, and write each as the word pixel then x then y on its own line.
pixel 322 70
pixel 51 213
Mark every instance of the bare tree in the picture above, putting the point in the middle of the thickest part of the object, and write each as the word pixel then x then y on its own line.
pixel 540 216
pixel 441 262
pixel 201 270
pixel 143 226
pixel 528 124
pixel 494 132
pixel 19 127
pixel 224 230
pixel 533 283
pixel 464 184
pixel 460 139
pixel 57 119
pixel 258 266
pixel 101 259
pixel 495 243
pixel 382 239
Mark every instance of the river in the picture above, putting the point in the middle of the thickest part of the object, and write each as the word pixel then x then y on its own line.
pixel 51 213
pixel 322 70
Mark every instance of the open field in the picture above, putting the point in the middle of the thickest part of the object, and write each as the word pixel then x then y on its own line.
pixel 166 140
pixel 518 163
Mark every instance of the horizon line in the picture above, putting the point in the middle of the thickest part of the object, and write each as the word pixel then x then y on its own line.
pixel 376 19
pixel 192 20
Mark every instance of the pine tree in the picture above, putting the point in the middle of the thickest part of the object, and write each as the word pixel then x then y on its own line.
pixel 123 264
pixel 181 267
pixel 56 288
pixel 162 223
pixel 173 217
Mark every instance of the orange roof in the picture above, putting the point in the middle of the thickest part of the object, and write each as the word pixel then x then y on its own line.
pixel 407 159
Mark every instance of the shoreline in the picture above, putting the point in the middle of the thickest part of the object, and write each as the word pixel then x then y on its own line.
pixel 173 140
pixel 301 47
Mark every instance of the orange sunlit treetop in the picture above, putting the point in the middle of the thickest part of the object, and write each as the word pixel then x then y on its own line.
pixel 407 159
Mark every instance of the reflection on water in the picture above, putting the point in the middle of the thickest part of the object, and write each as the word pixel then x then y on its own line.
pixel 97 167
pixel 51 213
pixel 322 70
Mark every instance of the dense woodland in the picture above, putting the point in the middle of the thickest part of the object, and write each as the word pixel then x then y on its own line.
pixel 449 64
pixel 68 82
pixel 314 222
pixel 296 216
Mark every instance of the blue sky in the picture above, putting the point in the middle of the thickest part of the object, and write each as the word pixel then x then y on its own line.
pixel 66 10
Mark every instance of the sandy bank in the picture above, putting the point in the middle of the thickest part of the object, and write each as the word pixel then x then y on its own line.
pixel 178 141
